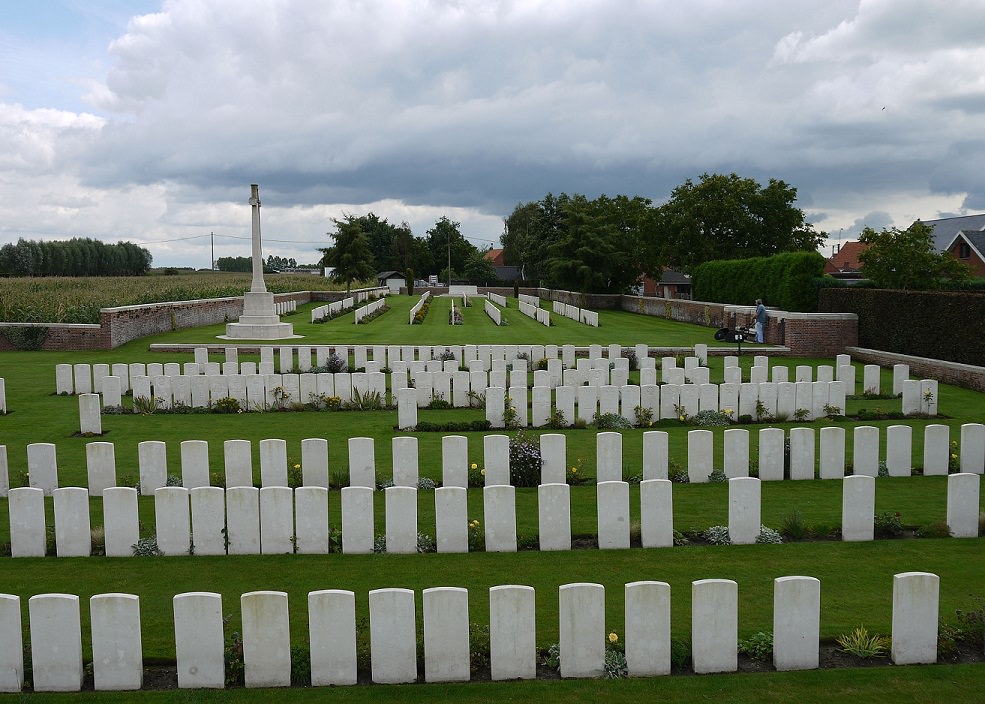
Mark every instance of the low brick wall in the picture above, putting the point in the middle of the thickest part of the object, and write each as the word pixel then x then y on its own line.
pixel 965 375
pixel 65 337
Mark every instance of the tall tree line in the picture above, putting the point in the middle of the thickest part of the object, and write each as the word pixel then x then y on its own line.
pixel 607 244
pixel 75 257
pixel 382 246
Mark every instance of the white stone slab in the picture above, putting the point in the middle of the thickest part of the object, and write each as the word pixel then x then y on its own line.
pixel 612 506
pixel 266 639
pixel 714 625
pixel 496 459
pixel 332 629
pixel 512 636
pixel 120 521
pixel 858 503
pixel 152 459
pixel 393 635
pixel 744 510
pixel 357 520
pixel 12 652
pixel 656 454
pixel 656 513
pixel 90 418
pixel 832 462
pixel 608 449
pixel 796 623
pixel 916 604
pixel 647 618
pixel 736 452
pixel 362 462
pixel 276 520
pixel 117 651
pixel 194 463
pixel 100 466
pixel 963 492
pixel 499 516
pixel 865 451
pixel 199 642
pixel 802 453
pixel 446 634
pixel 56 642
pixel 172 520
pixel 208 515
pixel 73 537
pixel 700 455
pixel 973 448
pixel 899 444
pixel 582 629
pixel 243 520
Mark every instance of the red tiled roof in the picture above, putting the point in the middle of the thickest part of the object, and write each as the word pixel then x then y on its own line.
pixel 846 259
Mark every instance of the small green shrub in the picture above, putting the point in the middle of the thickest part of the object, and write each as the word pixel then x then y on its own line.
pixel 887 525
pixel 610 421
pixel 758 647
pixel 146 547
pixel 525 461
pixel 793 526
pixel 768 536
pixel 716 535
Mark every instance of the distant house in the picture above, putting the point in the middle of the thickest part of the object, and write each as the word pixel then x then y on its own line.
pixel 844 263
pixel 964 238
pixel 672 284
pixel 503 272
pixel 393 280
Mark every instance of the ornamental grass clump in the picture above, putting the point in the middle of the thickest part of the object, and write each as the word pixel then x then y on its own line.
pixel 862 645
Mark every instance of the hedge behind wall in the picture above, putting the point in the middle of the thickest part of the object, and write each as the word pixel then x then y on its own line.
pixel 786 281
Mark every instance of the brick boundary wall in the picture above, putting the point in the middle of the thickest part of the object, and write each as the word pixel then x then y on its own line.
pixel 120 325
pixel 965 375
pixel 804 334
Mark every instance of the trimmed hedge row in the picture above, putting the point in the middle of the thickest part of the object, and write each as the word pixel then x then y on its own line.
pixel 786 281
pixel 948 325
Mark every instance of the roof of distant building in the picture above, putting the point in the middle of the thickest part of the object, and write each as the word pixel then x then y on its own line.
pixel 845 261
pixel 946 229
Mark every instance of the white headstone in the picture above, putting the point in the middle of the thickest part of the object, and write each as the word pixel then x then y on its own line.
pixel 700 455
pixel 90 420
pixel 393 635
pixel 362 462
pixel 194 463
pixel 582 629
pixel 208 512
pixel 243 520
pixel 496 459
pixel 647 618
pixel 858 503
pixel 743 510
pixel 714 625
pixel 916 604
pixel 401 519
pixel 612 504
pixel 832 463
pixel 656 513
pixel 554 512
pixel 12 652
pixel 899 443
pixel 451 519
pixel 120 521
pixel 276 520
pixel 357 520
pixel 796 623
pixel 446 634
pixel 802 453
pixel 172 520
pixel 152 459
pixel 198 640
pixel 266 639
pixel 736 452
pixel 865 451
pixel 56 642
pixel 332 637
pixel 117 651
pixel 499 516
pixel 512 637
pixel 73 537
pixel 100 466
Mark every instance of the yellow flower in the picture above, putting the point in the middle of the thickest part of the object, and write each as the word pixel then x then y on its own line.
pixel 954 457
pixel 574 470
pixel 613 637
pixel 681 418
pixel 482 471
pixel 297 466
pixel 475 466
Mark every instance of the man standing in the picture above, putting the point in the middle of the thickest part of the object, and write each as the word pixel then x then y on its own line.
pixel 760 319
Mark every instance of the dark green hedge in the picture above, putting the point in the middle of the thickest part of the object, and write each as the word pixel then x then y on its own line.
pixel 786 281
pixel 947 325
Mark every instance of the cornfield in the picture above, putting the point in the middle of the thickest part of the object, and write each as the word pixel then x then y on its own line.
pixel 78 300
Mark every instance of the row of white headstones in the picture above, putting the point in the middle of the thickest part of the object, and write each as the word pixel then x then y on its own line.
pixel 55 630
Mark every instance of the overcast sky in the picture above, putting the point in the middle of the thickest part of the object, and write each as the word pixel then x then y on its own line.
pixel 148 120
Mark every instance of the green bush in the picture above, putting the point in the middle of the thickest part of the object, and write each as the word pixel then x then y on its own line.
pixel 788 281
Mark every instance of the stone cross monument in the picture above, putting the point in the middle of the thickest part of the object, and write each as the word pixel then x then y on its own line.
pixel 259 320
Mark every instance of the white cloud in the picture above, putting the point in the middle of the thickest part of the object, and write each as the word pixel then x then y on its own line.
pixel 417 109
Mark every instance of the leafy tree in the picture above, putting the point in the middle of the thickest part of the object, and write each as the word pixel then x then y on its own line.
pixel 479 270
pixel 530 232
pixel 597 249
pixel 351 255
pixel 725 217
pixel 907 259
pixel 446 231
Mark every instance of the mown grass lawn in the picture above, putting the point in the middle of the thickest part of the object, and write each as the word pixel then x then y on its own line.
pixel 856 578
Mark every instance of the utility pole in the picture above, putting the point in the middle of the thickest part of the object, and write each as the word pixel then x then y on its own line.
pixel 449 263
pixel 212 240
